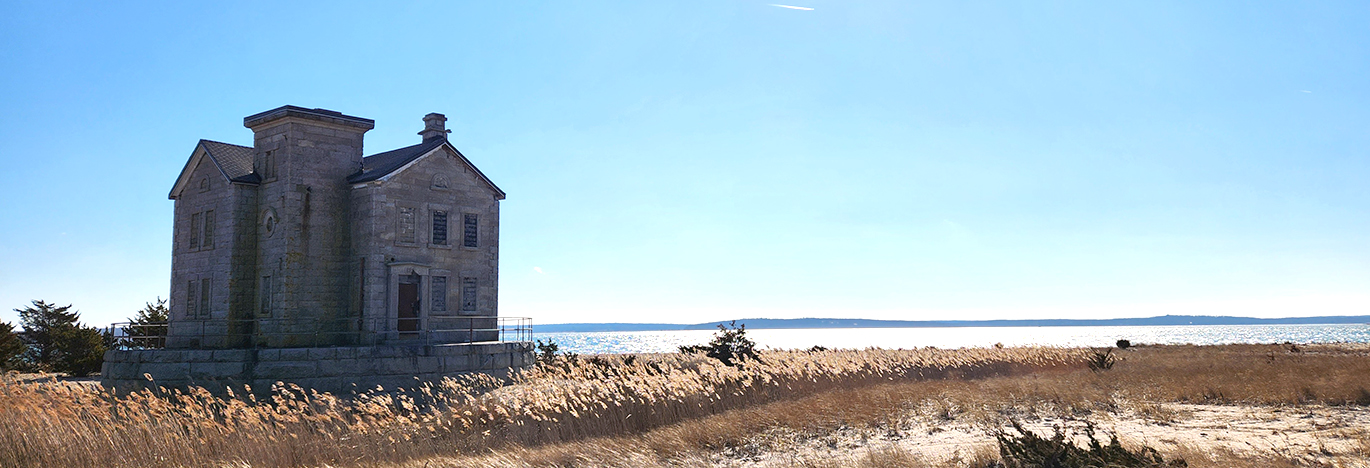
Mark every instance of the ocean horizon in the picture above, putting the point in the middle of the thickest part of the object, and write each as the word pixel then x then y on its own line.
pixel 664 341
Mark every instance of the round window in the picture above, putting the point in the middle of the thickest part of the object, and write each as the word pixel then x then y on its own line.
pixel 269 222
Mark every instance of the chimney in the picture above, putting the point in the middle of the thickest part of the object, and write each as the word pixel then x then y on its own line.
pixel 434 127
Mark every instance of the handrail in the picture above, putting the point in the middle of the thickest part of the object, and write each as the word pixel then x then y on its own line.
pixel 303 332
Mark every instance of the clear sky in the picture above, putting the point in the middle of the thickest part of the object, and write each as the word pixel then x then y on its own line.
pixel 693 161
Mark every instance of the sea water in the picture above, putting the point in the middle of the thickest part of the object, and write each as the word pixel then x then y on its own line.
pixel 961 337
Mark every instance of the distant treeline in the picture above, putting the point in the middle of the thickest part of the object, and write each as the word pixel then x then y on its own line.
pixel 757 324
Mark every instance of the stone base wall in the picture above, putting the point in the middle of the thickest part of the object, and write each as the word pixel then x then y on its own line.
pixel 339 370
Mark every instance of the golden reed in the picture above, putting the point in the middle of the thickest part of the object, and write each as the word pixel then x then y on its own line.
pixel 66 424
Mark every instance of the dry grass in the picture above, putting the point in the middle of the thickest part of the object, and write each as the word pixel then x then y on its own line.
pixel 668 410
pixel 557 408
pixel 1145 376
pixel 890 456
pixel 744 434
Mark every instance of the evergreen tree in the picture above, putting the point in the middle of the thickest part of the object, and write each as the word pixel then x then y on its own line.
pixel 147 328
pixel 55 340
pixel 43 322
pixel 11 346
pixel 80 350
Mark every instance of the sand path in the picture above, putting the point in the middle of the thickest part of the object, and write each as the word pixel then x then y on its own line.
pixel 1315 435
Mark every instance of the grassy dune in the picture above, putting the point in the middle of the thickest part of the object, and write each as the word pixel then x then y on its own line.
pixel 659 410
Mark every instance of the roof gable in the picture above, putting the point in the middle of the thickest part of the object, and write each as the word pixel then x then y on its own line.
pixel 232 161
pixel 382 165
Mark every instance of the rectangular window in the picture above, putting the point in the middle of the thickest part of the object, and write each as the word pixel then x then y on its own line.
pixel 266 295
pixel 192 297
pixel 406 225
pixel 440 227
pixel 469 229
pixel 204 297
pixel 439 293
pixel 195 231
pixel 468 294
pixel 361 284
pixel 207 240
pixel 267 169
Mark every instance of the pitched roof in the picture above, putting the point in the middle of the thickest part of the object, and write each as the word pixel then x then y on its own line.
pixel 233 162
pixel 380 165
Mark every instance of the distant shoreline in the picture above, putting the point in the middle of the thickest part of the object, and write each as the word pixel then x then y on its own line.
pixel 761 324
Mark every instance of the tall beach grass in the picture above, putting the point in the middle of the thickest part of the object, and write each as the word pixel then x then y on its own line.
pixel 56 424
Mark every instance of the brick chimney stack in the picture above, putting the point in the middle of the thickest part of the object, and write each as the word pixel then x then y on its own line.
pixel 434 127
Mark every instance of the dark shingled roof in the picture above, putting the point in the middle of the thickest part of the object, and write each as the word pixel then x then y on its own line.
pixel 381 164
pixel 235 161
pixel 378 165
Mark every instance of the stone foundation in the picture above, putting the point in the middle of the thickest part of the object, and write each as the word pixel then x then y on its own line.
pixel 338 370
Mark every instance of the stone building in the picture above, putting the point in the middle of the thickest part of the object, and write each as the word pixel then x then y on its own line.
pixel 300 241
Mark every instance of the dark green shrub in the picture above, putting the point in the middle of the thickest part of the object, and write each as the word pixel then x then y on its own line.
pixel 1028 450
pixel 80 350
pixel 548 355
pixel 730 345
pixel 547 352
pixel 1101 360
pixel 1124 344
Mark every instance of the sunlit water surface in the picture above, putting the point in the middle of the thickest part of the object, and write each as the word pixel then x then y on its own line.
pixel 966 337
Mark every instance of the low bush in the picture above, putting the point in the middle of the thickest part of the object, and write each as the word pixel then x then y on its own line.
pixel 730 345
pixel 1026 449
pixel 549 354
pixel 1101 360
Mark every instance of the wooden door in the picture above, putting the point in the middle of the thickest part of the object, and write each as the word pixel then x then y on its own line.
pixel 409 308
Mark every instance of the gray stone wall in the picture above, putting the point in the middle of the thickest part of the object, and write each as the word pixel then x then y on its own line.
pixel 436 182
pixel 331 250
pixel 242 278
pixel 338 370
pixel 308 253
pixel 207 190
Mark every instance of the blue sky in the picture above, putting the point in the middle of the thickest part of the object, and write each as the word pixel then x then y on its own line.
pixel 693 161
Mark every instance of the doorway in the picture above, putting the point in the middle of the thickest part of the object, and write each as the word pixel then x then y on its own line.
pixel 408 325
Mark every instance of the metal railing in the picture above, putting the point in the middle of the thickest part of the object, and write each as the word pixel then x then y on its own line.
pixel 516 329
pixel 305 332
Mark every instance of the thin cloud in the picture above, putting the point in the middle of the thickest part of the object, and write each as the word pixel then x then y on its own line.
pixel 1305 91
pixel 539 270
pixel 792 7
